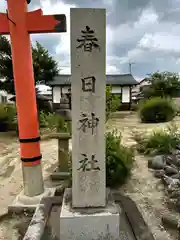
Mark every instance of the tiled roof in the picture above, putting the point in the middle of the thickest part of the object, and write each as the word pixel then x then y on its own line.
pixel 120 79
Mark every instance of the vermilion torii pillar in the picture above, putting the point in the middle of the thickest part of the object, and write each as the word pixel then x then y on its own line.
pixel 20 23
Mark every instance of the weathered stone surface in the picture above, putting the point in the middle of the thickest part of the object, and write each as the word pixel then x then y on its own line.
pixel 170 170
pixel 140 228
pixel 170 181
pixel 158 162
pixel 89 223
pixel 173 159
pixel 63 158
pixel 170 221
pixel 177 176
pixel 33 180
pixel 168 159
pixel 88 67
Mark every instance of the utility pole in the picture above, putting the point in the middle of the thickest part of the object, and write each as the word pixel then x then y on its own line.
pixel 130 67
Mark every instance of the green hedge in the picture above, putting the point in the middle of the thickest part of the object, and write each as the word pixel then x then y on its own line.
pixel 53 121
pixel 8 119
pixel 119 160
pixel 160 141
pixel 157 110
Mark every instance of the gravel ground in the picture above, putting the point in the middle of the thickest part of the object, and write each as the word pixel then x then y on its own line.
pixel 143 188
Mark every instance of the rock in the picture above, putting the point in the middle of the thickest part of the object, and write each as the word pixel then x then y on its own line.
pixel 175 194
pixel 171 203
pixel 178 147
pixel 170 170
pixel 177 176
pixel 177 160
pixel 158 162
pixel 159 173
pixel 172 189
pixel 169 159
pixel 171 182
pixel 174 158
pixel 170 221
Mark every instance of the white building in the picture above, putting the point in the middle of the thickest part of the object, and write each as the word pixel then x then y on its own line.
pixel 5 97
pixel 121 84
pixel 45 90
pixel 139 87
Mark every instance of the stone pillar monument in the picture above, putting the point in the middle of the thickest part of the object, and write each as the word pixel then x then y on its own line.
pixel 88 63
pixel 87 212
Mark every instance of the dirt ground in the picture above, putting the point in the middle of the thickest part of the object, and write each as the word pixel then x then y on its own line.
pixel 143 188
pixel 11 177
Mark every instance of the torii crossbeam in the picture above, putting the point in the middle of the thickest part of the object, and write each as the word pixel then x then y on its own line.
pixel 20 23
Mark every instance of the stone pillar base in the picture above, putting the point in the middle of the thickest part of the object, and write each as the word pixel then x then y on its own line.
pixel 23 202
pixel 89 223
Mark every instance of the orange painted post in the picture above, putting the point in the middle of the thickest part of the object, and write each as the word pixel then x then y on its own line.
pixel 20 23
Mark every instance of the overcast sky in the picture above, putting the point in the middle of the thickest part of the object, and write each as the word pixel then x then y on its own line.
pixel 145 32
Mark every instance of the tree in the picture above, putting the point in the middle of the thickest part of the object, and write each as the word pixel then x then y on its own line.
pixel 45 67
pixel 112 102
pixel 164 84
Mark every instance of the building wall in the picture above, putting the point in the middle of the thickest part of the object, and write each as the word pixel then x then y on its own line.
pixel 136 89
pixel 177 101
pixel 116 89
pixel 4 97
pixel 58 91
pixel 126 95
pixel 56 94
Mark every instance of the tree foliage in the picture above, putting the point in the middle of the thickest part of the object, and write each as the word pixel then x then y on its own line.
pixel 157 109
pixel 112 102
pixel 45 67
pixel 162 84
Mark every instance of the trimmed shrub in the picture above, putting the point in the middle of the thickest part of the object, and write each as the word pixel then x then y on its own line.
pixel 157 110
pixel 8 120
pixel 161 141
pixel 119 160
pixel 53 121
pixel 7 117
pixel 112 102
